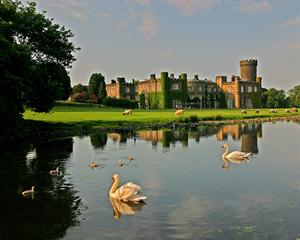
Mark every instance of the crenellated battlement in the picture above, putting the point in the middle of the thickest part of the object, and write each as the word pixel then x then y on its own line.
pixel 248 62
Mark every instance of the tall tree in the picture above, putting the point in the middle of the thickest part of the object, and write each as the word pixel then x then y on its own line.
pixel 35 53
pixel 294 96
pixel 94 83
pixel 102 91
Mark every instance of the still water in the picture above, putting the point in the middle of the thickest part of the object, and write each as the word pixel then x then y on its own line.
pixel 192 193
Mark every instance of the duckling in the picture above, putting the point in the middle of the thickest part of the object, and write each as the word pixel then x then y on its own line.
pixel 120 163
pixel 93 165
pixel 27 193
pixel 55 172
pixel 130 157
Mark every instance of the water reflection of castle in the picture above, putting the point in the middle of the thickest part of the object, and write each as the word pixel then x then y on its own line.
pixel 248 133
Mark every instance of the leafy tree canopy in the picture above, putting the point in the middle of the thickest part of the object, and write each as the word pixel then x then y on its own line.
pixel 79 88
pixel 275 98
pixel 35 53
pixel 94 83
pixel 294 96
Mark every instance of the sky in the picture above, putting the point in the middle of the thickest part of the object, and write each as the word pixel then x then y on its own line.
pixel 135 38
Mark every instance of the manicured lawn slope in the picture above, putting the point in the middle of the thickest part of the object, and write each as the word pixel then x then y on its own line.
pixel 110 117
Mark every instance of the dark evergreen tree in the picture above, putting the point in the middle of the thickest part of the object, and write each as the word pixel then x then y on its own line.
pixel 94 84
pixel 102 91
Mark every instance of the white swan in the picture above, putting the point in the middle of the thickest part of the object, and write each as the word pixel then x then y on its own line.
pixel 55 172
pixel 93 165
pixel 120 163
pixel 28 193
pixel 127 192
pixel 234 155
pixel 130 157
pixel 237 161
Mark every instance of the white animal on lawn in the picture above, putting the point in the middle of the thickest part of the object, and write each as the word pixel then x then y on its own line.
pixel 127 112
pixel 179 112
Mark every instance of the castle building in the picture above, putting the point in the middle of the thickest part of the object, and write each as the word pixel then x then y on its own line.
pixel 203 93
pixel 121 89
pixel 244 91
pixel 164 92
pixel 170 92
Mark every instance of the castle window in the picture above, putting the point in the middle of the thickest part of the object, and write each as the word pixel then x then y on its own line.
pixel 127 90
pixel 229 89
pixel 175 86
pixel 230 103
pixel 249 88
pixel 242 88
pixel 208 89
pixel 255 89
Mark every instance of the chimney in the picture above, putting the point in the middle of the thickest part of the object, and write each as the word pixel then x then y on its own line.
pixel 152 76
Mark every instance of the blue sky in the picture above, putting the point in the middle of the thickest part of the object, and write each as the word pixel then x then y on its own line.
pixel 134 38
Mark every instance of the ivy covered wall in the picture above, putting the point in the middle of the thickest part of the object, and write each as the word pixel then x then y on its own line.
pixel 168 94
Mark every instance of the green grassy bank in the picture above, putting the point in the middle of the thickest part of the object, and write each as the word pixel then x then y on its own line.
pixel 94 117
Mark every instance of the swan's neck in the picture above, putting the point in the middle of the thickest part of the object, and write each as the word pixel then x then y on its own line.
pixel 226 152
pixel 226 164
pixel 114 186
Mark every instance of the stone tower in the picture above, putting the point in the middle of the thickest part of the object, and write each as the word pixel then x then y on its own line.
pixel 248 70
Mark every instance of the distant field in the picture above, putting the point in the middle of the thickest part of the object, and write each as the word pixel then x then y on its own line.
pixel 108 117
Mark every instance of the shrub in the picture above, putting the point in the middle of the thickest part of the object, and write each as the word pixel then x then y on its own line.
pixel 213 117
pixel 79 97
pixel 121 103
pixel 194 118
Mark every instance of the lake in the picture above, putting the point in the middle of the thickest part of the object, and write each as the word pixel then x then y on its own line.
pixel 192 193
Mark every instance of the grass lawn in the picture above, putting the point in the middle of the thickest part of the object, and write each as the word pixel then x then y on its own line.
pixel 112 117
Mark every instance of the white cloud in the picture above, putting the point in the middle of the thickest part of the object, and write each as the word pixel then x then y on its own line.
pixel 189 7
pixel 148 26
pixel 254 6
pixel 291 22
pixel 73 7
pixel 142 2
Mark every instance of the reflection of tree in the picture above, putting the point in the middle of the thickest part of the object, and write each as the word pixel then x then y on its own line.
pixel 166 138
pixel 55 207
pixel 98 140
